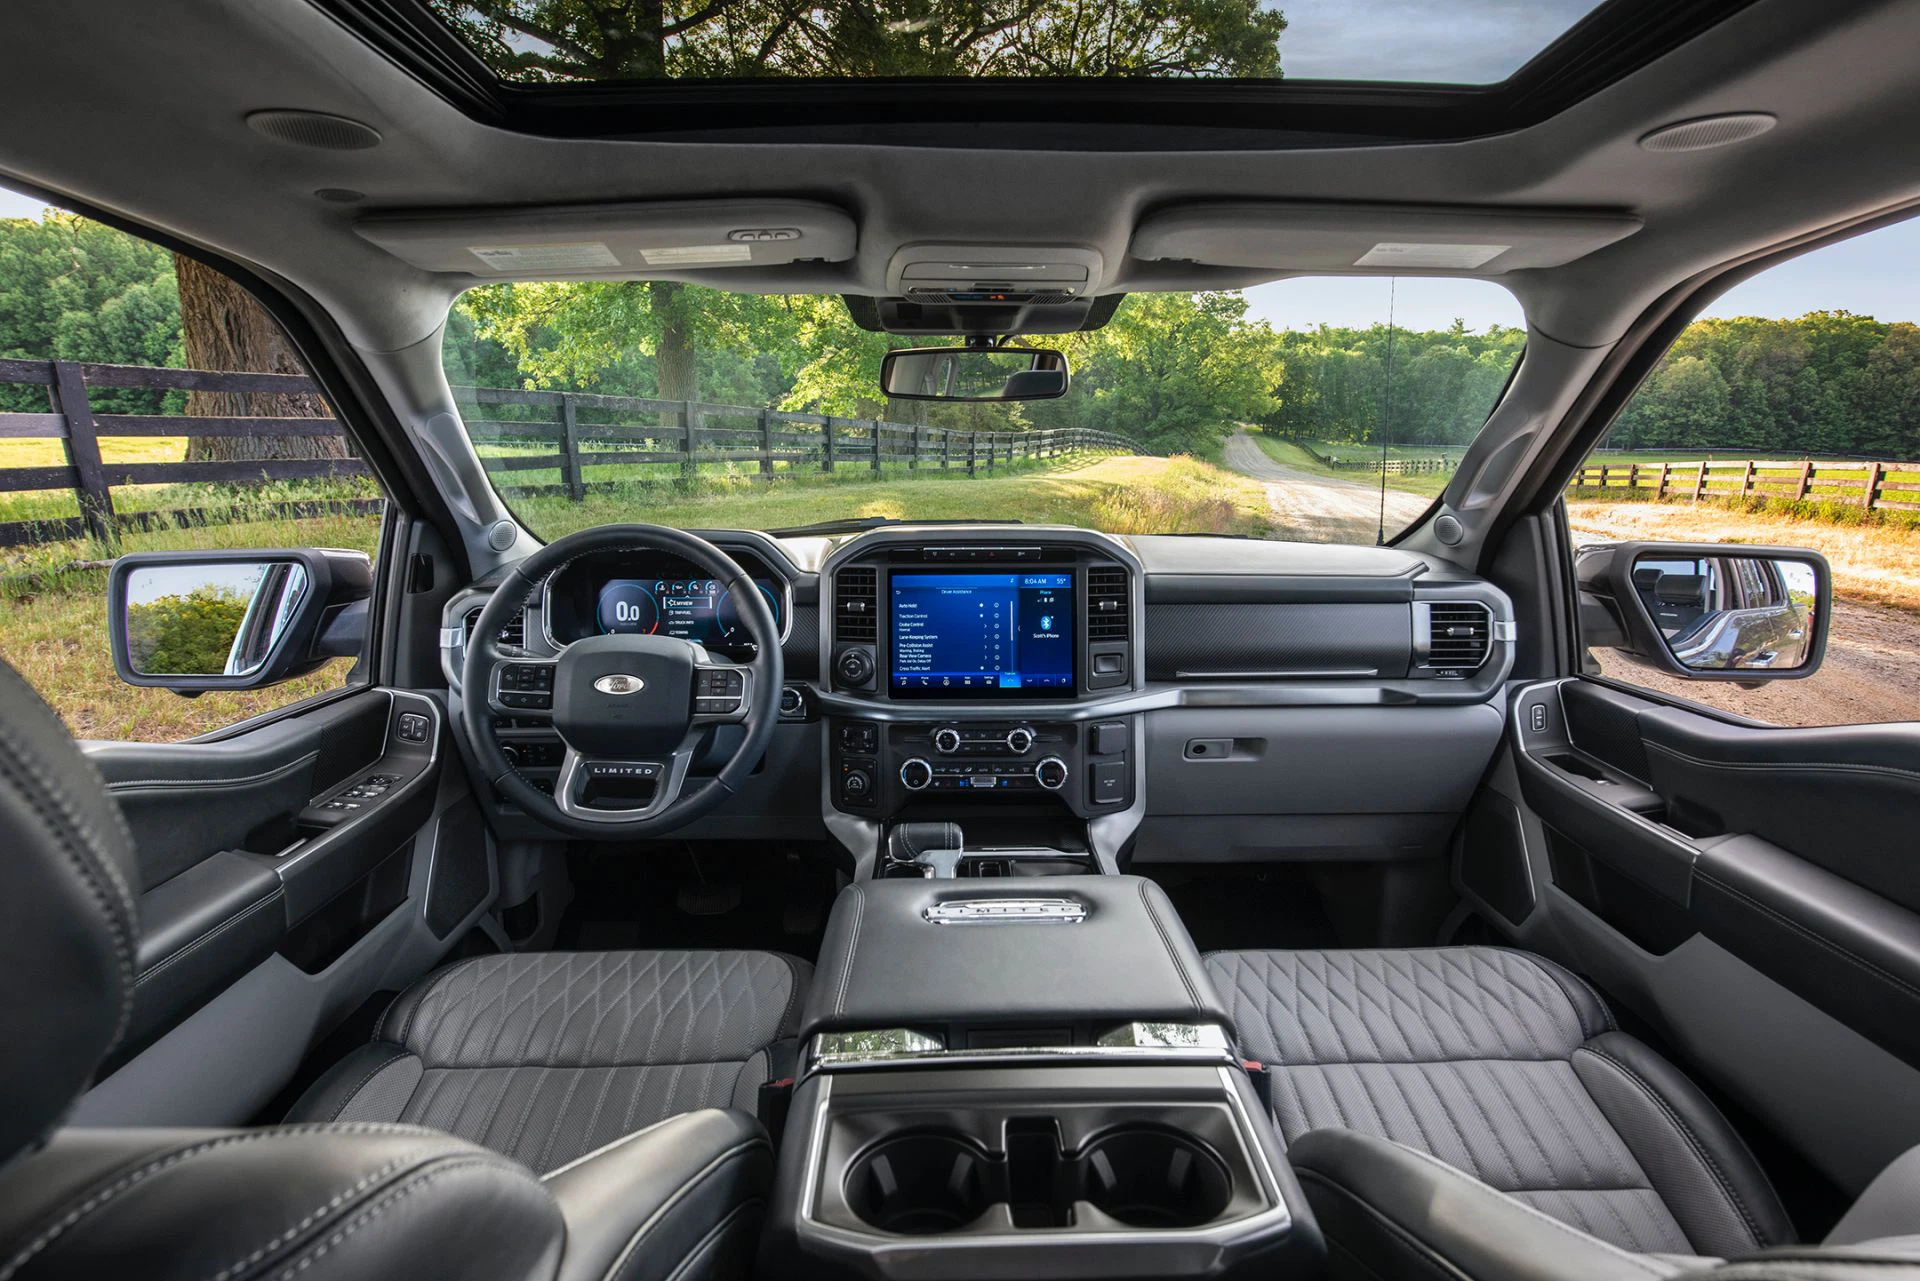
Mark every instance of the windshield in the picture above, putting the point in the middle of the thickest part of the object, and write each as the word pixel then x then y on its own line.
pixel 1318 410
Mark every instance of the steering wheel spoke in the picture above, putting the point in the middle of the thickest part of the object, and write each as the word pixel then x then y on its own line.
pixel 595 790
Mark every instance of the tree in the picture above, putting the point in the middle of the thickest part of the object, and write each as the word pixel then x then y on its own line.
pixel 1178 370
pixel 223 327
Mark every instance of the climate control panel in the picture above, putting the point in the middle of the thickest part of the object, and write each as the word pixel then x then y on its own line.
pixel 882 767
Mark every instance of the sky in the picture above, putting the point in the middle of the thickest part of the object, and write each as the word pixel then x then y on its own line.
pixel 1876 275
pixel 1477 43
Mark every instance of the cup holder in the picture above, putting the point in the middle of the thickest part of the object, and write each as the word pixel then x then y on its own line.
pixel 1147 1177
pixel 922 1184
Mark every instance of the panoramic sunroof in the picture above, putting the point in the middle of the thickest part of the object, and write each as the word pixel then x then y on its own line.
pixel 559 42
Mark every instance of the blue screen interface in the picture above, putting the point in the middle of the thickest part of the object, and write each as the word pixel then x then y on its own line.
pixel 956 635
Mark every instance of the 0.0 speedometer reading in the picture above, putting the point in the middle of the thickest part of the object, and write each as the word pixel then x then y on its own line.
pixel 695 609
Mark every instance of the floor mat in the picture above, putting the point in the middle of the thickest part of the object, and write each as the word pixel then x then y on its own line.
pixel 721 897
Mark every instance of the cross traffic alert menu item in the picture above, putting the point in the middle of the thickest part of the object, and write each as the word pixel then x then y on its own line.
pixel 967 635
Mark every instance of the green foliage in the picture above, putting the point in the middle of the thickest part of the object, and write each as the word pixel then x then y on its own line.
pixel 186 635
pixel 549 41
pixel 73 289
pixel 1334 384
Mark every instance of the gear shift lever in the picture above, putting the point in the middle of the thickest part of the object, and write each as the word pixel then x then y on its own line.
pixel 934 847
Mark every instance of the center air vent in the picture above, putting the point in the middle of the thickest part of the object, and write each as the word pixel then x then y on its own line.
pixel 856 601
pixel 1459 636
pixel 1109 607
pixel 514 634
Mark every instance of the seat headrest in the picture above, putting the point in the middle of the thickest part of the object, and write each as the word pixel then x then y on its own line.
pixel 1680 589
pixel 67 922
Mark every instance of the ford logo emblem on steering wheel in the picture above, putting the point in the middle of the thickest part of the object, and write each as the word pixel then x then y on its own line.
pixel 619 683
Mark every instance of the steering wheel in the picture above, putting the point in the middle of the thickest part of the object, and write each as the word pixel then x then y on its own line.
pixel 630 710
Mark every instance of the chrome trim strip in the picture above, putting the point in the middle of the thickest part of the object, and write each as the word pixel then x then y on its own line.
pixel 1006 911
pixel 1130 1043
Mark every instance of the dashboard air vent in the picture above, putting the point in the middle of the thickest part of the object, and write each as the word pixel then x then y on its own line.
pixel 514 634
pixel 856 601
pixel 1108 603
pixel 1460 635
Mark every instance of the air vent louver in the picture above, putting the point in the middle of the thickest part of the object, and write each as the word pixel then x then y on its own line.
pixel 1109 607
pixel 1460 635
pixel 514 634
pixel 856 592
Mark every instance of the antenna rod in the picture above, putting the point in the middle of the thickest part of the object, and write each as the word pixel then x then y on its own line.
pixel 1386 417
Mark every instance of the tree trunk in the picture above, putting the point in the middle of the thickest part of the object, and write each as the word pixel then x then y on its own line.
pixel 224 329
pixel 676 366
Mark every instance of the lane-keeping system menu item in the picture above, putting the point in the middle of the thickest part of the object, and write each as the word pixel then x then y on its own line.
pixel 956 635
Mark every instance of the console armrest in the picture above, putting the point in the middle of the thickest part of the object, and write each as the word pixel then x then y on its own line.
pixel 684 1197
pixel 1387 1210
pixel 885 964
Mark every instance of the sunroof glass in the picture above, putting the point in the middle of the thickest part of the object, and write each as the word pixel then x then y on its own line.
pixel 1419 41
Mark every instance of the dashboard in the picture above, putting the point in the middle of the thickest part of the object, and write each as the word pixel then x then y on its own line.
pixel 1175 698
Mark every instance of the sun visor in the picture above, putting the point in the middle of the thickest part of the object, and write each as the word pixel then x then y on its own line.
pixel 619 241
pixel 1384 239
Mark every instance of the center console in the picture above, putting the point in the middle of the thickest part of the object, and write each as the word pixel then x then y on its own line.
pixel 972 677
pixel 1029 1077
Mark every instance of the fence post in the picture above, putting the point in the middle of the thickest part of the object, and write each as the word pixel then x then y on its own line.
pixel 687 466
pixel 83 451
pixel 1700 482
pixel 972 455
pixel 1872 491
pixel 570 473
pixel 946 447
pixel 826 446
pixel 766 443
pixel 913 454
pixel 876 446
pixel 1806 481
pixel 1746 479
pixel 1633 476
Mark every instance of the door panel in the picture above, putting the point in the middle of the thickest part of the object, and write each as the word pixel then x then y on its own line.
pixel 256 843
pixel 1791 848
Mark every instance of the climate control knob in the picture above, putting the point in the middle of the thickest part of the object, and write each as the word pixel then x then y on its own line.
pixel 916 775
pixel 946 741
pixel 1019 740
pixel 1051 773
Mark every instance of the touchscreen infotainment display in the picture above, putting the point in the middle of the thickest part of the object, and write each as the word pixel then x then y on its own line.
pixel 982 635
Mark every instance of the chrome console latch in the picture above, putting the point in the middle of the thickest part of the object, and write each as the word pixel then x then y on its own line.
pixel 979 911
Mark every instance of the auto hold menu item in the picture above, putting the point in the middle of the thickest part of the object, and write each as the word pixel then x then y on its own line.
pixel 982 635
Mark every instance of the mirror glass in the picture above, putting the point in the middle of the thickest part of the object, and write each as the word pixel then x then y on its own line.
pixel 1730 611
pixel 221 618
pixel 974 373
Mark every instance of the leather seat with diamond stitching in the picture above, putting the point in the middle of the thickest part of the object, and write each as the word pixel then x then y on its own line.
pixel 1509 1068
pixel 545 1056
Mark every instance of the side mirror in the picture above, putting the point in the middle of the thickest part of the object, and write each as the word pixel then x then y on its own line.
pixel 195 621
pixel 1708 611
pixel 974 373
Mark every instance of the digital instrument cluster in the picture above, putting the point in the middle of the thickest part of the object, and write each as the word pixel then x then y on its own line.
pixel 656 595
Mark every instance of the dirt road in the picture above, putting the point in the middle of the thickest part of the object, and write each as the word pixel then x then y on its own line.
pixel 1320 509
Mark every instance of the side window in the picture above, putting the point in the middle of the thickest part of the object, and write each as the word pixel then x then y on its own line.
pixel 147 402
pixel 1788 414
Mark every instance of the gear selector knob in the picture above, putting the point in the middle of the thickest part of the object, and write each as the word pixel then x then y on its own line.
pixel 936 847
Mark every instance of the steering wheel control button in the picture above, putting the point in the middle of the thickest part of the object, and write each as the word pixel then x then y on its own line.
pixel 916 775
pixel 715 706
pixel 1051 773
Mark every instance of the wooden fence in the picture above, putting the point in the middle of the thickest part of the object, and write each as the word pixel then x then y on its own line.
pixel 1864 484
pixel 1394 466
pixel 688 436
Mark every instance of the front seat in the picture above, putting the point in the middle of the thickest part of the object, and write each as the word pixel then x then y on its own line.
pixel 1509 1069
pixel 545 1056
pixel 681 1198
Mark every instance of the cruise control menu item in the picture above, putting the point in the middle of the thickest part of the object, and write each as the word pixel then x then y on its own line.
pixel 982 635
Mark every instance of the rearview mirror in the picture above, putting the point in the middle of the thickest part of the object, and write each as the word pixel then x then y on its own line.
pixel 974 373
pixel 1708 611
pixel 195 621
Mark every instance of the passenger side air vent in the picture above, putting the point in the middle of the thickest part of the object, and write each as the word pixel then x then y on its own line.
pixel 1459 635
pixel 514 634
pixel 856 601
pixel 1109 606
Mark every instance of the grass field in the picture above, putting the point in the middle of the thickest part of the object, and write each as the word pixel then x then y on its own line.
pixel 1288 454
pixel 53 625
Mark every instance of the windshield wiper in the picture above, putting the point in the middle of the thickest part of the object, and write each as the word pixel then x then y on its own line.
pixel 854 524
